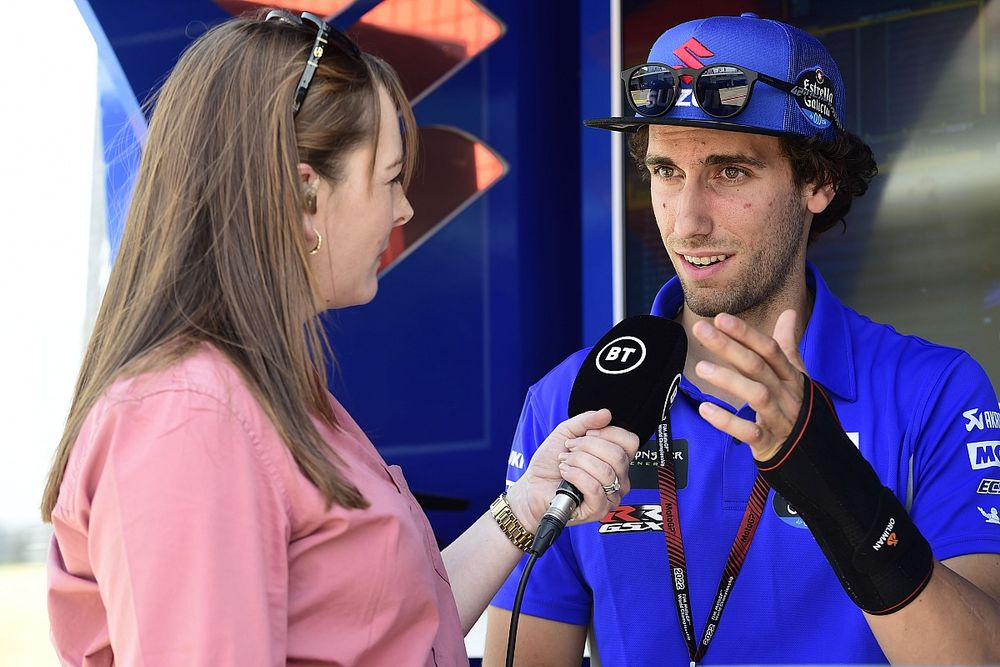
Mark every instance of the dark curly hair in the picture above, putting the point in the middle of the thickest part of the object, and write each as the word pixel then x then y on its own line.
pixel 846 162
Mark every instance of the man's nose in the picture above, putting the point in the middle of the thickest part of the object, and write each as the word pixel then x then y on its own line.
pixel 692 213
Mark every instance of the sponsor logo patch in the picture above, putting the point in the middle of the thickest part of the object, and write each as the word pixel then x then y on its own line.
pixel 887 538
pixel 816 102
pixel 984 454
pixel 632 519
pixel 992 516
pixel 516 460
pixel 786 512
pixel 989 487
pixel 981 420
pixel 642 471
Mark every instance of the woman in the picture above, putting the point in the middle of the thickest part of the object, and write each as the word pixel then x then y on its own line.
pixel 212 503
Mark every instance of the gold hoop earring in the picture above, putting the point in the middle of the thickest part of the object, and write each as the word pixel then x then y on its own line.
pixel 319 242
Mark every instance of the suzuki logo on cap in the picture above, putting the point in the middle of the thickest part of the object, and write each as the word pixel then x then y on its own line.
pixel 621 355
pixel 689 52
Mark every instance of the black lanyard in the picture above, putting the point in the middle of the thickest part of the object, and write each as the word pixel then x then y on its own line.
pixel 675 545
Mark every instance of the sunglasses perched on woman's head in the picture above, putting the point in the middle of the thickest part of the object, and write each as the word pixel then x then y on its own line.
pixel 721 91
pixel 324 32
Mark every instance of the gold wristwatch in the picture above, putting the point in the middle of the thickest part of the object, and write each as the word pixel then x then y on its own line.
pixel 509 524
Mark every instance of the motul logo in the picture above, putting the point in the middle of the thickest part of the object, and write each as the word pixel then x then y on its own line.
pixel 984 454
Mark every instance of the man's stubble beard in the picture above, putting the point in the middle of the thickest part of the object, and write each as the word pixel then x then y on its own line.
pixel 765 280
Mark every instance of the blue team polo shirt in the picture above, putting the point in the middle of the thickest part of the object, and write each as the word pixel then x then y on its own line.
pixel 924 416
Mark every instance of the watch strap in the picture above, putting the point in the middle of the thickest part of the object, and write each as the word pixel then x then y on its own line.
pixel 509 524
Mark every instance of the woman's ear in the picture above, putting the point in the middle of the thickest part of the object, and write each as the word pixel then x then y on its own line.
pixel 310 184
pixel 818 198
pixel 306 173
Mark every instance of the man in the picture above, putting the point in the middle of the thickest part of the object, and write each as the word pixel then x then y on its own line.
pixel 850 559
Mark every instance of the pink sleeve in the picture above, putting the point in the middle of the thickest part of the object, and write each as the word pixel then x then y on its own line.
pixel 189 535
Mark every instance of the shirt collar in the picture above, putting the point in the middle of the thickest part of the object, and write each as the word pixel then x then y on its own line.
pixel 826 346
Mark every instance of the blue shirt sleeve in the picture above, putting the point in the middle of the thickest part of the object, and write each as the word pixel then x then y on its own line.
pixel 956 446
pixel 556 589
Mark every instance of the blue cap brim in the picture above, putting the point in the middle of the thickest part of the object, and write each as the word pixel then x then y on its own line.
pixel 631 124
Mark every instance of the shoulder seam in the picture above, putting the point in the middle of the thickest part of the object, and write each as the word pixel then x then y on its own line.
pixel 266 461
pixel 919 419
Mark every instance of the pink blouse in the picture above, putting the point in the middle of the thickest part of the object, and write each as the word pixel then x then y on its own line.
pixel 186 535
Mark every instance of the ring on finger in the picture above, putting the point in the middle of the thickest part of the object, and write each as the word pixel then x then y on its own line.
pixel 612 488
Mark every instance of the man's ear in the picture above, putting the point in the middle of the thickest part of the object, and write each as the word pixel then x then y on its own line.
pixel 819 197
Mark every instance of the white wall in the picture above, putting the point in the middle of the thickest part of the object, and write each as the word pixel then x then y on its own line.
pixel 49 166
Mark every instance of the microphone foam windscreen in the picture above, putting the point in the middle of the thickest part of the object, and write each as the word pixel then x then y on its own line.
pixel 631 371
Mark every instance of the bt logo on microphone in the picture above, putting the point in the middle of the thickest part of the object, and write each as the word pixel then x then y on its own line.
pixel 621 355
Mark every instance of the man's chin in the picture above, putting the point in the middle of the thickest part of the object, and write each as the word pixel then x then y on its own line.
pixel 742 304
pixel 705 310
pixel 705 301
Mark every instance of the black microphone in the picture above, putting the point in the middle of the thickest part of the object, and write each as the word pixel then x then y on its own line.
pixel 634 371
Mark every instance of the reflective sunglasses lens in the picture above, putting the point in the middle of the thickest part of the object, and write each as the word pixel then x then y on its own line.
pixel 723 90
pixel 651 89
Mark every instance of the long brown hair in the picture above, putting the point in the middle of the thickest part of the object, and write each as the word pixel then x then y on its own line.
pixel 213 248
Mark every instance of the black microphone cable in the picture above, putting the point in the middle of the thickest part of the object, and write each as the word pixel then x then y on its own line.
pixel 560 512
pixel 515 612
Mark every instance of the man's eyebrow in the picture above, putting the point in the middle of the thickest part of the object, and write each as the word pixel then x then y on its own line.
pixel 735 158
pixel 654 161
pixel 714 160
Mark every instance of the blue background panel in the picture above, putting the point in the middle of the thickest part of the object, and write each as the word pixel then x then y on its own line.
pixel 437 366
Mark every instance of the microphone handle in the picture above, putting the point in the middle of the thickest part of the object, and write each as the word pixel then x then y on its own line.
pixel 560 511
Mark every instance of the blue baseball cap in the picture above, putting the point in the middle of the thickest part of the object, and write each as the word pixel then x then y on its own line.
pixel 771 48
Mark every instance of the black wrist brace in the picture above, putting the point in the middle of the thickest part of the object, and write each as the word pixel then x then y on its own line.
pixel 881 558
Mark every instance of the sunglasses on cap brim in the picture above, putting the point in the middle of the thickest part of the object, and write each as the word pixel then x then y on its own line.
pixel 721 91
